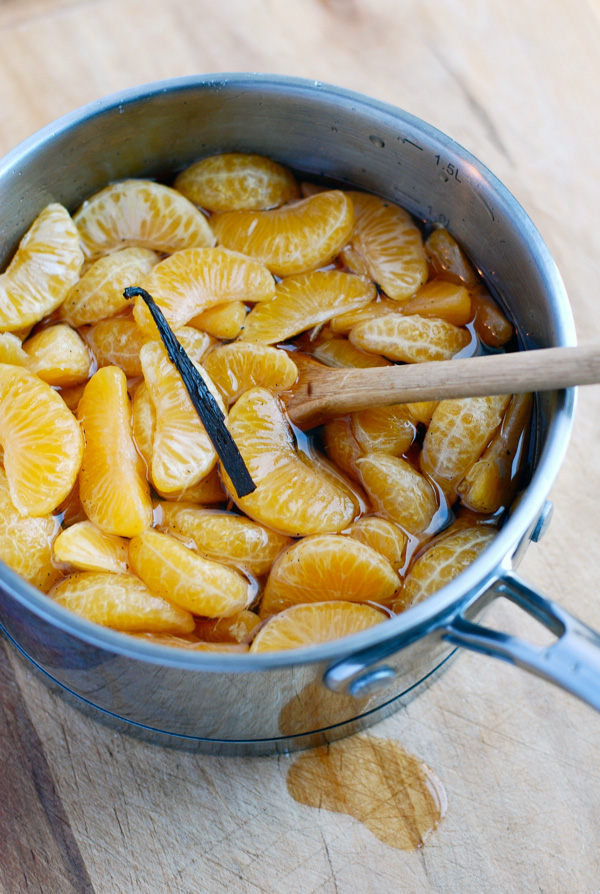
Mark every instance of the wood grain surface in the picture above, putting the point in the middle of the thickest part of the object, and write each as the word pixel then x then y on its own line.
pixel 83 809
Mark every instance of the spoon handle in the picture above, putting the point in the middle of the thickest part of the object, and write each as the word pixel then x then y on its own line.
pixel 323 394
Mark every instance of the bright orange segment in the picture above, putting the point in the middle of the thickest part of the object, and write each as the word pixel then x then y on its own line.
pixel 143 422
pixel 447 259
pixel 178 574
pixel 224 537
pixel 384 429
pixel 59 356
pixel 11 350
pixel 112 483
pixel 383 536
pixel 140 213
pixel 340 353
pixel 117 342
pixel 443 560
pixel 87 548
pixel 42 442
pixel 235 181
pixel 457 435
pixel 398 490
pixel 293 239
pixel 121 601
pixel 182 452
pixel 412 339
pixel 390 245
pixel 194 280
pixel 223 321
pixel 45 267
pixel 490 324
pixel 323 466
pixel 235 629
pixel 308 625
pixel 209 490
pixel 343 323
pixel 443 299
pixel 341 445
pixel 328 567
pixel 236 368
pixel 26 543
pixel 289 497
pixel 304 301
pixel 99 292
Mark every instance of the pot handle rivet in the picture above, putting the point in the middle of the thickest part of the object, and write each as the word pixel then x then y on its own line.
pixel 372 681
pixel 543 522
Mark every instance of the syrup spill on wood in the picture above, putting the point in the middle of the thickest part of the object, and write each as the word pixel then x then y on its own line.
pixel 397 797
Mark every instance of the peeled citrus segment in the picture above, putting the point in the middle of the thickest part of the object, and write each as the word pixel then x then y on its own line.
pixel 381 535
pixel 120 601
pixel 143 420
pixel 298 237
pixel 304 301
pixel 323 466
pixel 182 452
pixel 492 481
pixel 117 342
pixel 422 411
pixel 26 543
pixel 59 356
pixel 308 625
pixel 235 181
pixel 41 440
pixel 443 299
pixel 194 280
pixel 447 259
pixel 45 267
pixel 11 350
pixel 328 567
pixel 289 497
pixel 341 445
pixel 390 244
pixel 490 324
pixel 143 214
pixel 224 537
pixel 178 574
pixel 209 490
pixel 443 560
pixel 457 435
pixel 99 292
pixel 224 321
pixel 412 339
pixel 236 368
pixel 236 629
pixel 381 307
pixel 194 343
pixel 113 487
pixel 87 548
pixel 384 429
pixel 340 353
pixel 190 644
pixel 398 490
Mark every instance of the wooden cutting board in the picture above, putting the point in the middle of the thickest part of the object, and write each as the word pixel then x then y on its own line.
pixel 83 809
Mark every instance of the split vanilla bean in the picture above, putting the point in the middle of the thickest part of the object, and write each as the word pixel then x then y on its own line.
pixel 204 403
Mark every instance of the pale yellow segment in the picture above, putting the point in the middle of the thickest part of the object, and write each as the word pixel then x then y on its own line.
pixel 411 339
pixel 224 321
pixel 328 567
pixel 382 535
pixel 99 292
pixel 308 625
pixel 238 367
pixel 44 269
pixel 143 214
pixel 87 548
pixel 11 350
pixel 26 543
pixel 120 601
pixel 59 356
pixel 398 490
pixel 458 433
pixel 183 577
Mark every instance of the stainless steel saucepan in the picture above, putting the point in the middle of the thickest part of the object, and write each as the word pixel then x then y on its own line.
pixel 261 703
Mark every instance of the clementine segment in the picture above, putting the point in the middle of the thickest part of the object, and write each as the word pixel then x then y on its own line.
pixel 235 181
pixel 308 625
pixel 238 628
pixel 11 350
pixel 383 536
pixel 59 356
pixel 224 321
pixel 238 367
pixel 340 353
pixel 117 342
pixel 384 429
pixel 411 339
pixel 87 548
pixel 447 259
pixel 443 299
pixel 398 490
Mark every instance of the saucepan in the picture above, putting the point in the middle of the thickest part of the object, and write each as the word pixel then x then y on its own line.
pixel 257 703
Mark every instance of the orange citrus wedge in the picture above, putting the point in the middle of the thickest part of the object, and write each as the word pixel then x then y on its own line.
pixel 121 601
pixel 295 238
pixel 237 367
pixel 117 342
pixel 340 353
pixel 328 567
pixel 224 321
pixel 112 484
pixel 308 625
pixel 140 213
pixel 304 301
pixel 289 497
pixel 383 536
pixel 26 543
pixel 443 299
pixel 196 279
pixel 11 350
pixel 44 269
pixel 389 243
pixel 412 339
pixel 87 548
pixel 343 323
pixel 235 181
pixel 447 259
pixel 59 356
pixel 384 429
pixel 398 490
pixel 42 442
pixel 236 629
pixel 178 574
pixel 341 446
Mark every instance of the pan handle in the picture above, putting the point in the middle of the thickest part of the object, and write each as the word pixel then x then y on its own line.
pixel 572 662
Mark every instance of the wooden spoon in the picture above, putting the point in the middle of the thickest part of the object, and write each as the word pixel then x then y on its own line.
pixel 323 392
